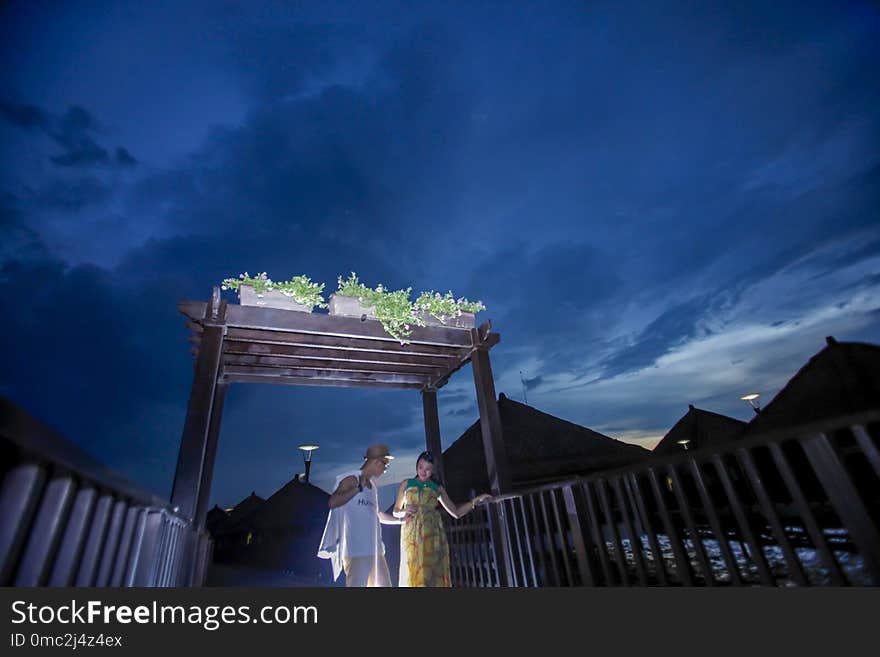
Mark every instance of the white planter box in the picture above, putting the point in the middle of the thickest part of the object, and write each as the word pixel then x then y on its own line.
pixel 465 320
pixel 247 296
pixel 350 307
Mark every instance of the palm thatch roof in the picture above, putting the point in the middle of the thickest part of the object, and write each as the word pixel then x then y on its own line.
pixel 297 503
pixel 540 448
pixel 842 379
pixel 700 428
pixel 237 521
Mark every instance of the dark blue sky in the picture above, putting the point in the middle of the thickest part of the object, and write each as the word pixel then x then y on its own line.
pixel 659 204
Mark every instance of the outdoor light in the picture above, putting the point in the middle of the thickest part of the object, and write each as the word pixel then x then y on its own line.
pixel 752 398
pixel 684 442
pixel 307 457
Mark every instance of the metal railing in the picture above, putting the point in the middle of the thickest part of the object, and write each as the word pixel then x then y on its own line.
pixel 792 508
pixel 66 520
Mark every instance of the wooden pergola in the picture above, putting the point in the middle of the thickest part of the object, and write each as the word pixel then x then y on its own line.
pixel 249 344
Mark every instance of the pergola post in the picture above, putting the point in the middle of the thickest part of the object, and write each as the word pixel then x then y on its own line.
pixel 496 459
pixel 490 423
pixel 432 430
pixel 210 455
pixel 191 460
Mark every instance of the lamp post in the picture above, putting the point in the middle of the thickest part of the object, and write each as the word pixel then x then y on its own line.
pixel 752 398
pixel 307 457
pixel 684 443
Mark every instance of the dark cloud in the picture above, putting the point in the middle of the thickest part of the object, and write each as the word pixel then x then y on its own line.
pixel 555 298
pixel 24 116
pixel 280 61
pixel 74 132
pixel 124 158
pixel 534 382
pixel 123 352
pixel 674 327
pixel 19 239
pixel 72 195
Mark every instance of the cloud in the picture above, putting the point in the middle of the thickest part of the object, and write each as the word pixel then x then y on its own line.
pixel 533 382
pixel 24 116
pixel 769 332
pixel 71 195
pixel 124 158
pixel 74 132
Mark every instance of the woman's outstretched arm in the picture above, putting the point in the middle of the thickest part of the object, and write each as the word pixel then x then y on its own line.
pixel 458 511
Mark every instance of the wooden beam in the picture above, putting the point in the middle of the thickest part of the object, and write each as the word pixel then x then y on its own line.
pixel 432 430
pixel 490 423
pixel 190 460
pixel 303 381
pixel 318 363
pixel 348 355
pixel 254 317
pixel 268 336
pixel 210 455
pixel 443 378
pixel 319 374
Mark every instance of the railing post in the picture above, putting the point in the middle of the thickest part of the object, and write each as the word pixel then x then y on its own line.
pixel 71 548
pixel 846 500
pixel 45 534
pixel 498 532
pixel 18 500
pixel 577 538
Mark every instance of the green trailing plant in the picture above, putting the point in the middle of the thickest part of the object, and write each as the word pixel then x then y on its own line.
pixel 394 310
pixel 299 288
pixel 446 306
pixel 260 282
pixel 470 306
pixel 442 307
pixel 352 287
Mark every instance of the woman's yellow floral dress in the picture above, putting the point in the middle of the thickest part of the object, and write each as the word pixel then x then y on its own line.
pixel 424 553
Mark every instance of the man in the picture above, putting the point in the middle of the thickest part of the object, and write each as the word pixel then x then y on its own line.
pixel 353 537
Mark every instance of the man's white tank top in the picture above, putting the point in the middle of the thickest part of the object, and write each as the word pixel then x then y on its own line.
pixel 361 531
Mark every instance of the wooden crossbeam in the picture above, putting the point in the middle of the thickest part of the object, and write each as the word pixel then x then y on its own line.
pixel 284 363
pixel 232 346
pixel 489 341
pixel 308 381
pixel 337 342
pixel 253 317
pixel 325 374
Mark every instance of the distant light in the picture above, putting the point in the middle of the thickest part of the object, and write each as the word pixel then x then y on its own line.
pixel 683 442
pixel 307 459
pixel 752 398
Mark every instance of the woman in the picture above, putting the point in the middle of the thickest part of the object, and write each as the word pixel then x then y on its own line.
pixel 424 553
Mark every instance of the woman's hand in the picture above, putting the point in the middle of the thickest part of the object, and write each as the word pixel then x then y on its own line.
pixel 479 499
